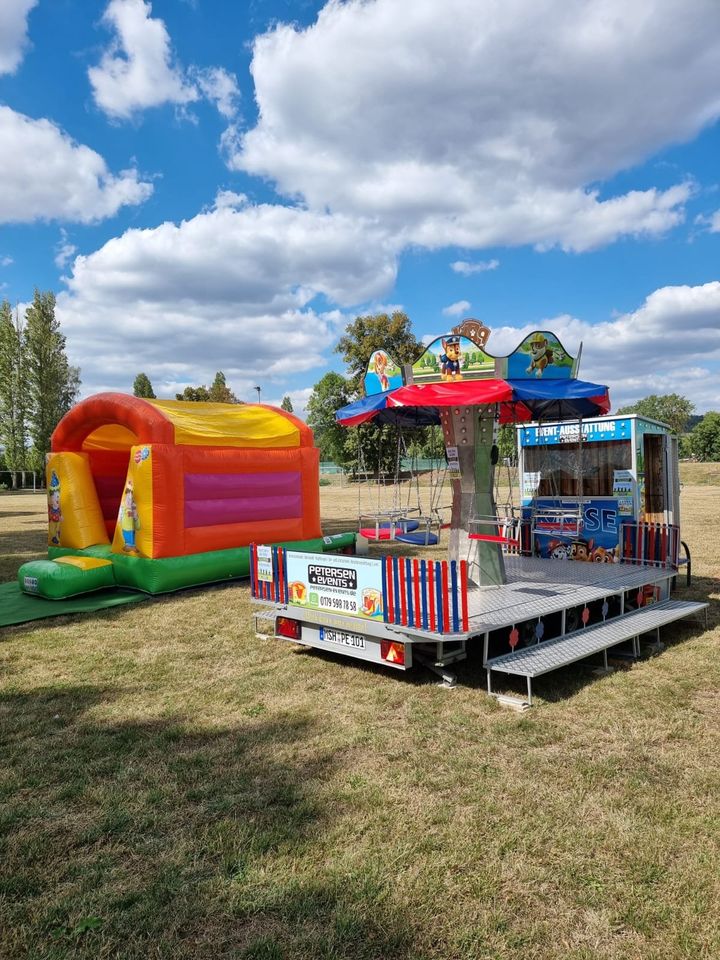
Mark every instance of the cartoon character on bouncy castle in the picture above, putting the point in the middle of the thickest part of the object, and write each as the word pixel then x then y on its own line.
pixel 54 512
pixel 129 519
pixel 540 355
pixel 450 359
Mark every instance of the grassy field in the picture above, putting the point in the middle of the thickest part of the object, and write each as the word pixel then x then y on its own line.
pixel 173 787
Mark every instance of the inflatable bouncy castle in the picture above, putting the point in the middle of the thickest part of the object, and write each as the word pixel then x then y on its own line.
pixel 163 494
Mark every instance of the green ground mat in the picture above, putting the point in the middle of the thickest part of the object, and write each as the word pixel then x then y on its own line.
pixel 18 607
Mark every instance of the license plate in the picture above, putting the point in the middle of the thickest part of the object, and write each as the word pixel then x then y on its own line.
pixel 343 638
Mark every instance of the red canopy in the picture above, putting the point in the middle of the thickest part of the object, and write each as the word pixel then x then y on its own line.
pixel 460 393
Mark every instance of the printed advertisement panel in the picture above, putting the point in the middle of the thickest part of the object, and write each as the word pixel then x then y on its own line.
pixel 624 491
pixel 264 564
pixel 597 542
pixel 339 584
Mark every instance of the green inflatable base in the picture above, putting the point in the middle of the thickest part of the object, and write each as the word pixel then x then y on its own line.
pixel 58 581
pixel 167 574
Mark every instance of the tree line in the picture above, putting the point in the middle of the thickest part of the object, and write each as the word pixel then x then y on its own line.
pixel 217 392
pixel 699 435
pixel 38 385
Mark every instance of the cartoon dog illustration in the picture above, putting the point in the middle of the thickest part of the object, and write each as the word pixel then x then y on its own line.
pixel 54 512
pixel 129 519
pixel 540 355
pixel 601 555
pixel 381 363
pixel 580 550
pixel 557 550
pixel 450 359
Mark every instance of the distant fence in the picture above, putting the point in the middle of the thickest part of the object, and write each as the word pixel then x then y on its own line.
pixel 407 465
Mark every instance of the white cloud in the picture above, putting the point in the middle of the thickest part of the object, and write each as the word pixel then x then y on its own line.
pixel 64 250
pixel 670 344
pixel 466 269
pixel 219 87
pixel 715 222
pixel 231 289
pixel 229 198
pixel 6 261
pixel 491 125
pixel 13 33
pixel 457 309
pixel 139 71
pixel 46 175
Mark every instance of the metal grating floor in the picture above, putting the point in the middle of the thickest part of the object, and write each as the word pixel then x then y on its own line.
pixel 552 654
pixel 538 587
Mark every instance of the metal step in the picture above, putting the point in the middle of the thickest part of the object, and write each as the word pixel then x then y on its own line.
pixel 553 654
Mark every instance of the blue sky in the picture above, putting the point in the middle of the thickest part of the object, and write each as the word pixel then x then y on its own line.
pixel 217 185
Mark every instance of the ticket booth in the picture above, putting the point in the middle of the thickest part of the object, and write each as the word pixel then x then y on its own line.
pixel 596 489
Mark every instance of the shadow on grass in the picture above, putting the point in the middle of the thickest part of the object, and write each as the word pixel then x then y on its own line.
pixel 10 563
pixel 343 525
pixel 155 838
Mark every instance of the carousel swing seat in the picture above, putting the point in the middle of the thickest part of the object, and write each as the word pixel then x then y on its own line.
pixel 502 529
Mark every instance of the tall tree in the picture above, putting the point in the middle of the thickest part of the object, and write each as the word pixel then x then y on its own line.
pixel 220 392
pixel 328 395
pixel 286 404
pixel 370 446
pixel 13 404
pixel 705 438
pixel 142 387
pixel 670 408
pixel 52 383
pixel 377 332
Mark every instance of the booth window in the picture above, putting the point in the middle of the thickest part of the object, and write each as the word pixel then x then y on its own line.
pixel 567 471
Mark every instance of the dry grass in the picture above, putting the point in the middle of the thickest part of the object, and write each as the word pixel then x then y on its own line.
pixel 172 786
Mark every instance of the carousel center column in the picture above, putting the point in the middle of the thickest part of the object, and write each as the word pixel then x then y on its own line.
pixel 469 434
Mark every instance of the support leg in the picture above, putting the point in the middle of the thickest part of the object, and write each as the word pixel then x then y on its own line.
pixel 448 678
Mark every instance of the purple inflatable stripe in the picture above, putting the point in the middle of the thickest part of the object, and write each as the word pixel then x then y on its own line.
pixel 218 486
pixel 207 513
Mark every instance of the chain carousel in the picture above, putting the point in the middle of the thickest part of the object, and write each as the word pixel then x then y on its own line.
pixel 500 587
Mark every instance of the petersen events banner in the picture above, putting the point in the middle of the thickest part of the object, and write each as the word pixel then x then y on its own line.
pixel 340 584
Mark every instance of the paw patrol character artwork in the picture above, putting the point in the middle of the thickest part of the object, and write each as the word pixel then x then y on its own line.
pixel 54 511
pixel 558 550
pixel 450 359
pixel 580 550
pixel 382 374
pixel 129 519
pixel 381 363
pixel 603 555
pixel 540 355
